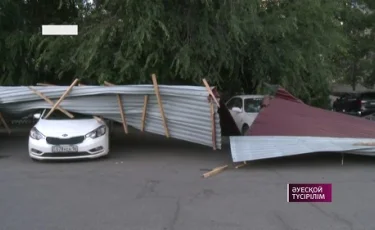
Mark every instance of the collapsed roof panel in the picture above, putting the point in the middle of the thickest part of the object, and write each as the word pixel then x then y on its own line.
pixel 286 126
pixel 285 117
pixel 10 94
pixel 250 148
pixel 186 108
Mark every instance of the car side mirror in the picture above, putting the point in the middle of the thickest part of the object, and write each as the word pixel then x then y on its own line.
pixel 236 109
pixel 37 116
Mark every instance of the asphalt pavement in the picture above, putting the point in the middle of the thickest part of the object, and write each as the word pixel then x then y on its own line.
pixel 154 183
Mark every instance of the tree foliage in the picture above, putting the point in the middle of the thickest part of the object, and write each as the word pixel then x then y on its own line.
pixel 358 60
pixel 236 45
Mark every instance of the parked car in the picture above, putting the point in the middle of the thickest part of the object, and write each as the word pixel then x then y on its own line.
pixel 360 104
pixel 244 109
pixel 59 137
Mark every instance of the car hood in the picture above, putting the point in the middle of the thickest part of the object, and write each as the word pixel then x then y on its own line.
pixel 56 128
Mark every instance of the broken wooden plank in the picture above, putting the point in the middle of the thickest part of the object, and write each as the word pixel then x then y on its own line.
pixel 122 113
pixel 121 107
pixel 44 84
pixel 71 115
pixel 215 171
pixel 5 123
pixel 145 100
pixel 58 107
pixel 50 102
pixel 108 83
pixel 62 98
pixel 210 92
pixel 98 119
pixel 213 126
pixel 241 165
pixel 156 87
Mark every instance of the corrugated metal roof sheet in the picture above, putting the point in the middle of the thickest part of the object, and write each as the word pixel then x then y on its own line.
pixel 286 127
pixel 186 108
pixel 283 117
pixel 249 148
pixel 283 94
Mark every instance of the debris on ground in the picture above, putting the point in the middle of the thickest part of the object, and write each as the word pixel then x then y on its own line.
pixel 215 171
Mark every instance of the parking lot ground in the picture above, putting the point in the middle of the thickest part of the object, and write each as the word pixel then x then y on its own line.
pixel 152 183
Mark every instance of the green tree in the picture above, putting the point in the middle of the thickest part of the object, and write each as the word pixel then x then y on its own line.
pixel 236 45
pixel 20 29
pixel 358 65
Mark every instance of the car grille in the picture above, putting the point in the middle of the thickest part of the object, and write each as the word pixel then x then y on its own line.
pixel 74 154
pixel 65 141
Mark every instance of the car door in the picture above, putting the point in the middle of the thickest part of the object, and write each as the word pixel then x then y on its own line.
pixel 235 105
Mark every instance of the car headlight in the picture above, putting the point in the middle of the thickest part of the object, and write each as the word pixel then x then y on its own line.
pixel 35 134
pixel 97 132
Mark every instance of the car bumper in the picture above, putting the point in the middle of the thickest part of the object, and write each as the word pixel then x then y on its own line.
pixel 88 149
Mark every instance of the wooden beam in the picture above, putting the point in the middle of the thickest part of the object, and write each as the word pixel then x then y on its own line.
pixel 108 84
pixel 241 165
pixel 122 113
pixel 210 92
pixel 144 113
pixel 62 97
pixel 44 84
pixel 51 102
pixel 213 126
pixel 121 107
pixel 4 123
pixel 365 144
pixel 215 171
pixel 156 87
pixel 98 119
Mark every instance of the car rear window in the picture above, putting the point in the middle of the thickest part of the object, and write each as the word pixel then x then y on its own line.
pixel 368 96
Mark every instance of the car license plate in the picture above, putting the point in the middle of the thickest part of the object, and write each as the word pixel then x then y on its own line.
pixel 64 148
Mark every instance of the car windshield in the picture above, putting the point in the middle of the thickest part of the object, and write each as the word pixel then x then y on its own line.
pixel 58 115
pixel 253 105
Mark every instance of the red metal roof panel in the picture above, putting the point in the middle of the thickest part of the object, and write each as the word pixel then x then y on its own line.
pixel 284 117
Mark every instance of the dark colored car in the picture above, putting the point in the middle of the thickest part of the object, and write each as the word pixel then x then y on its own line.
pixel 360 104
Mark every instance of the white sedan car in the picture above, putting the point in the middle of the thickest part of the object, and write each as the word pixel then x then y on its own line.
pixel 244 109
pixel 60 137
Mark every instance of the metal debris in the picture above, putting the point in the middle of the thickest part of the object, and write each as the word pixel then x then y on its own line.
pixel 187 111
pixel 250 148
